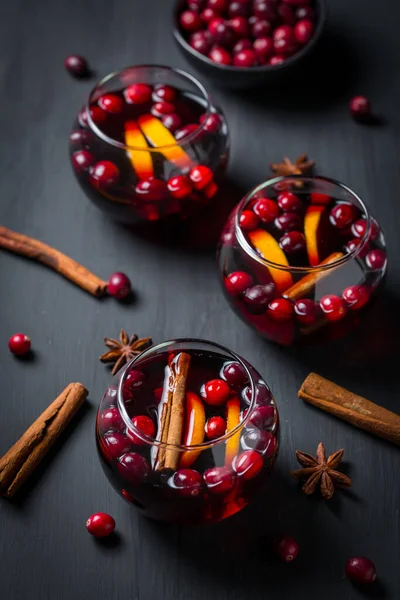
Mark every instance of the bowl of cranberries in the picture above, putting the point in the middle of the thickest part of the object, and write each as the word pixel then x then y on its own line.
pixel 301 260
pixel 243 43
pixel 188 432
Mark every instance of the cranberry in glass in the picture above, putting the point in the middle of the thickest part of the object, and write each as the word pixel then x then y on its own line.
pixel 201 175
pixel 104 173
pixel 292 241
pixel 119 286
pixel 201 41
pixel 133 467
pixel 215 427
pixel 240 26
pixel 360 108
pixel 342 215
pixel 76 65
pixel 353 244
pixel 116 444
pixel 263 395
pixel 82 160
pixel 303 31
pixel 211 124
pixel 97 114
pixel 234 374
pixel 305 12
pixel 189 483
pixel 190 20
pixel 81 137
pixel 134 379
pixel 164 93
pixel 376 259
pixel 263 48
pixel 289 221
pixel 219 480
pixel 151 189
pixel 19 344
pixel 238 9
pixel 286 14
pixel 172 121
pixel 162 108
pixel 280 310
pixel 111 420
pixel 220 56
pixel 276 60
pixel 266 209
pixel 258 297
pixel 83 117
pixel 333 307
pixel 215 392
pixel 356 296
pixel 100 525
pixel 180 186
pixel 111 103
pixel 242 45
pixel 138 93
pixel 248 464
pixel 248 220
pixel 145 425
pixel 286 548
pixel 289 202
pixel 261 417
pixel 261 28
pixel 263 441
pixel 238 282
pixel 185 131
pixel 361 570
pixel 306 311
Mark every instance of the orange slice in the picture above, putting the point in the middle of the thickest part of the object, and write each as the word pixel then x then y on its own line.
pixel 158 135
pixel 232 421
pixel 312 221
pixel 141 160
pixel 269 249
pixel 194 428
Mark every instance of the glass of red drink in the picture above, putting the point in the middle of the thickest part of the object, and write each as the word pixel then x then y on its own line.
pixel 301 259
pixel 187 432
pixel 149 145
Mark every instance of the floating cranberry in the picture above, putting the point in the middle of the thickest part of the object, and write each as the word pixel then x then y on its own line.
pixel 234 374
pixel 116 443
pixel 306 311
pixel 263 395
pixel 190 20
pixel 208 15
pixel 111 103
pixel 265 10
pixel 220 56
pixel 245 58
pixel 286 548
pixel 188 482
pixel 238 282
pixel 360 108
pixel 238 9
pixel 292 241
pixel 151 189
pixel 80 137
pixel 138 93
pixel 185 131
pixel 211 123
pixel 201 176
pixel 261 440
pixel 119 286
pixel 289 221
pixel 242 45
pixel 172 121
pixel 305 12
pixel 261 28
pixel 376 259
pixel 164 93
pixel 261 417
pixel 356 296
pixel 359 229
pixel 19 344
pixel 82 160
pixel 342 215
pixel 201 41
pixel 240 26
pixel 215 392
pixel 83 117
pixel 276 60
pixel 353 244
pixel 145 425
pixel 289 202
pixel 258 297
pixel 280 310
pixel 248 464
pixel 333 307
pixel 133 467
pixel 215 427
pixel 266 209
pixel 100 525
pixel 180 186
pixel 162 108
pixel 219 480
pixel 286 14
pixel 104 173
pixel 97 114
pixel 111 420
pixel 361 569
pixel 76 65
pixel 303 31
pixel 248 220
pixel 134 379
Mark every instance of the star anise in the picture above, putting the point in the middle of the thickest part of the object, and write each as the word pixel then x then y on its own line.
pixel 321 471
pixel 301 166
pixel 123 351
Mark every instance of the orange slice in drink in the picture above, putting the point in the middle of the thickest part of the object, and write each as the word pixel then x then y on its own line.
pixel 194 428
pixel 141 160
pixel 159 136
pixel 268 247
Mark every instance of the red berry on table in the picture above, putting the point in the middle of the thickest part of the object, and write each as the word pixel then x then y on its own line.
pixel 111 420
pixel 211 123
pixel 234 374
pixel 356 296
pixel 245 58
pixel 276 60
pixel 286 548
pixel 264 48
pixel 240 26
pixel 376 259
pixel 261 28
pixel 248 464
pixel 111 103
pixel 201 41
pixel 266 209
pixel 215 392
pixel 164 93
pixel 292 241
pixel 219 480
pixel 360 108
pixel 119 286
pixel 342 215
pixel 133 467
pixel 238 282
pixel 215 427
pixel 289 221
pixel 100 525
pixel 190 20
pixel 172 121
pixel 201 176
pixel 104 173
pixel 19 344
pixel 145 425
pixel 116 444
pixel 333 307
pixel 220 56
pixel 248 220
pixel 306 311
pixel 258 297
pixel 303 31
pixel 138 93
pixel 188 482
pixel 151 189
pixel 76 65
pixel 361 569
pixel 289 202
pixel 180 186
pixel 280 310
pixel 162 108
pixel 82 160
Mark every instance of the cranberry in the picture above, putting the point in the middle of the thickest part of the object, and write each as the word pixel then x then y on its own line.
pixel 248 464
pixel 376 259
pixel 188 482
pixel 196 4
pixel 303 31
pixel 276 60
pixel 76 65
pixel 83 117
pixel 162 108
pixel 285 46
pixel 280 310
pixel 234 374
pixel 293 241
pixel 284 32
pixel 360 108
pixel 242 45
pixel 215 427
pixel 201 176
pixel 104 173
pixel 190 20
pixel 286 14
pixel 100 525
pixel 208 15
pixel 286 548
pixel 111 420
pixel 220 56
pixel 288 222
pixel 97 114
pixel 289 202
pixel 145 425
pixel 306 311
pixel 221 32
pixel 359 228
pixel 266 209
pixel 19 344
pixel 116 444
pixel 133 467
pixel 258 297
pixel 218 5
pixel 240 26
pixel 361 569
pixel 119 286
pixel 248 220
pixel 211 123
pixel 164 93
pixel 185 131
pixel 180 186
pixel 111 103
pixel 215 392
pixel 219 480
pixel 80 137
pixel 262 417
pixel 82 160
pixel 265 10
pixel 134 379
pixel 238 9
pixel 305 12
pixel 333 307
pixel 261 440
pixel 151 189
pixel 201 41
pixel 263 395
pixel 137 93
pixel 171 122
pixel 238 282
pixel 245 58
pixel 356 296
pixel 342 215
pixel 263 47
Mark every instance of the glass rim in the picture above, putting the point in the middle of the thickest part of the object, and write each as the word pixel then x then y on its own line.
pixel 300 269
pixel 185 140
pixel 183 447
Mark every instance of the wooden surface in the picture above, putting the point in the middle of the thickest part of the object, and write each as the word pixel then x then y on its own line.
pixel 45 552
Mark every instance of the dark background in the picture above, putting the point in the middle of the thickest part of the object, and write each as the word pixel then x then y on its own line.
pixel 45 551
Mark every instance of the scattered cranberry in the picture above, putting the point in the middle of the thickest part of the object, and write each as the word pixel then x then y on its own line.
pixel 376 259
pixel 219 480
pixel 180 186
pixel 238 9
pixel 119 285
pixel 292 241
pixel 100 525
pixel 360 108
pixel 289 202
pixel 138 93
pixel 185 131
pixel 333 307
pixel 145 425
pixel 240 26
pixel 280 310
pixel 133 467
pixel 162 108
pixel 215 392
pixel 104 173
pixel 82 160
pixel 215 427
pixel 266 209
pixel 289 221
pixel 172 121
pixel 116 443
pixel 151 189
pixel 220 56
pixel 76 65
pixel 262 417
pixel 286 548
pixel 248 464
pixel 190 20
pixel 361 569
pixel 164 93
pixel 189 482
pixel 263 47
pixel 234 374
pixel 111 103
pixel 356 296
pixel 97 114
pixel 111 420
pixel 303 31
pixel 248 220
pixel 258 297
pixel 305 12
pixel 261 28
pixel 201 176
pixel 19 344
pixel 211 123
pixel 242 45
pixel 306 311
pixel 245 58
pixel 201 41
pixel 208 15
pixel 342 215
pixel 276 60
pixel 238 282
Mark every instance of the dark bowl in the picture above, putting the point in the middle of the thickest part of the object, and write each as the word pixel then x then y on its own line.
pixel 241 77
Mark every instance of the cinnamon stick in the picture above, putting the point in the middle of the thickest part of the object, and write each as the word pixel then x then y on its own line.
pixel 304 286
pixel 56 260
pixel 22 459
pixel 346 405
pixel 165 414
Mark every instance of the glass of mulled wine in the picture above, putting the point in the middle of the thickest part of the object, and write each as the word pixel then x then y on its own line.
pixel 188 432
pixel 149 145
pixel 301 259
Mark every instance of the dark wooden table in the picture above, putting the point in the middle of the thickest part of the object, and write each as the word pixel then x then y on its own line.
pixel 45 552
